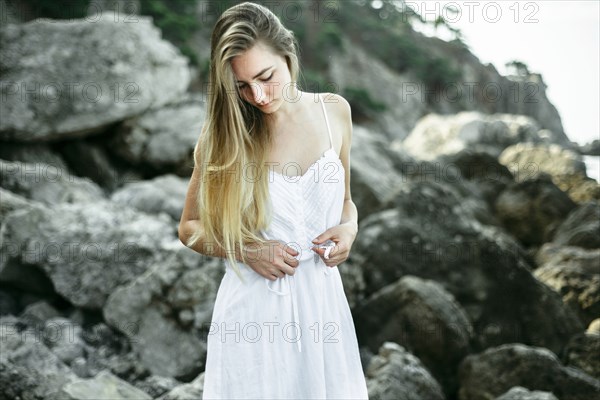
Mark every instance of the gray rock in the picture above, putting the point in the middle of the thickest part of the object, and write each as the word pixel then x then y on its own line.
pixel 436 135
pixel 87 249
pixel 431 234
pixel 574 273
pixel 521 393
pixel 64 338
pixel 583 352
pixel 105 385
pixel 163 138
pixel 192 390
pixel 533 209
pixel 89 158
pixel 396 374
pixel 493 372
pixel 157 386
pixel 152 311
pixel 32 153
pixel 38 313
pixel 29 370
pixel 424 318
pixel 126 69
pixel 164 193
pixel 478 171
pixel 374 177
pixel 581 227
pixel 48 184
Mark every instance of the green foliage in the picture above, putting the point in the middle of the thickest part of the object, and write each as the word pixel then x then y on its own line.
pixel 361 102
pixel 176 19
pixel 55 9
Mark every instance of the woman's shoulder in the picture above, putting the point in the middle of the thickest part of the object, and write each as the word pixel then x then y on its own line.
pixel 338 104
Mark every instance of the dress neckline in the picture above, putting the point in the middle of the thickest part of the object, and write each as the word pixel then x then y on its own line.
pixel 306 173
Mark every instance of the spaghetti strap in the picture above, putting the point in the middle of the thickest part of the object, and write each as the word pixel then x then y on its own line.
pixel 327 122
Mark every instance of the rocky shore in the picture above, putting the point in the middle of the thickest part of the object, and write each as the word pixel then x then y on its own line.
pixel 475 274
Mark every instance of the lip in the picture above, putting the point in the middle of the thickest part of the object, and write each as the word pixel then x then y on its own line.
pixel 266 105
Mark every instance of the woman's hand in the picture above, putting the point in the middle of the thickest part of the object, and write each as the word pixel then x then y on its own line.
pixel 272 260
pixel 343 235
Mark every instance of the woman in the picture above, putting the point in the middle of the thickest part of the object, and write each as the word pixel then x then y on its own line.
pixel 281 325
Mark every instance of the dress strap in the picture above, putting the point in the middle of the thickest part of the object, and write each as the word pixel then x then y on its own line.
pixel 326 121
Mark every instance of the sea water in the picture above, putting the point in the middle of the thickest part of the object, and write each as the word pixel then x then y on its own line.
pixel 592 165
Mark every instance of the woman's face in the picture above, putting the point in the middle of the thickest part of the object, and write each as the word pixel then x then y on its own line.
pixel 262 78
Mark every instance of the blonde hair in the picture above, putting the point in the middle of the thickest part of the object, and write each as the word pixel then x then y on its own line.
pixel 233 199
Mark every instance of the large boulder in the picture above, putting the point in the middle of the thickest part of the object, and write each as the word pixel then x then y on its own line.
pixel 162 139
pixel 533 209
pixel 565 167
pixel 422 317
pixel 396 374
pixel 436 135
pixel 164 193
pixel 28 369
pixel 431 233
pixel 166 311
pixel 85 249
pixel 374 173
pixel 581 227
pixel 73 78
pixel 574 273
pixel 47 183
pixel 496 370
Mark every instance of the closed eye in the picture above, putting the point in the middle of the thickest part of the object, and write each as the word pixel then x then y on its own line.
pixel 264 80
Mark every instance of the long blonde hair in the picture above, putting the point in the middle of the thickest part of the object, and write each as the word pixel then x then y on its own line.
pixel 233 195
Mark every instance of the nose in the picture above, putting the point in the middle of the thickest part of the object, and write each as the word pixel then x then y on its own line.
pixel 258 93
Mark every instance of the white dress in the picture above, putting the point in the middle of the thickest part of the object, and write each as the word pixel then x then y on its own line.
pixel 292 338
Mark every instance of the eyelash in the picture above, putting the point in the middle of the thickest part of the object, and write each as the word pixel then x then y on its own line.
pixel 266 80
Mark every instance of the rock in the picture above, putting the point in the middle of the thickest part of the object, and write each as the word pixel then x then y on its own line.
pixel 29 370
pixel 89 158
pixel 85 249
pixel 162 138
pixel 436 135
pixel 422 317
pixel 192 390
pixel 64 338
pixel 521 393
pixel 583 352
pixel 47 184
pixel 33 153
pixel 581 227
pixel 484 171
pixel 382 84
pixel 594 326
pixel 396 374
pixel 11 202
pixel 528 160
pixel 157 386
pixel 493 372
pixel 574 273
pixel 38 313
pixel 165 193
pixel 591 148
pixel 533 209
pixel 565 167
pixel 372 186
pixel 103 386
pixel 149 312
pixel 126 69
pixel 431 234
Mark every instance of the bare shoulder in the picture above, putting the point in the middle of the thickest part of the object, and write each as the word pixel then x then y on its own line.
pixel 339 105
pixel 342 113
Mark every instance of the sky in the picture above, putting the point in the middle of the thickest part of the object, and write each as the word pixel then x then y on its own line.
pixel 558 39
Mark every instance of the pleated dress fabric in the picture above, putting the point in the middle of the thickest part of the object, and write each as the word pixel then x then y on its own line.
pixel 292 338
